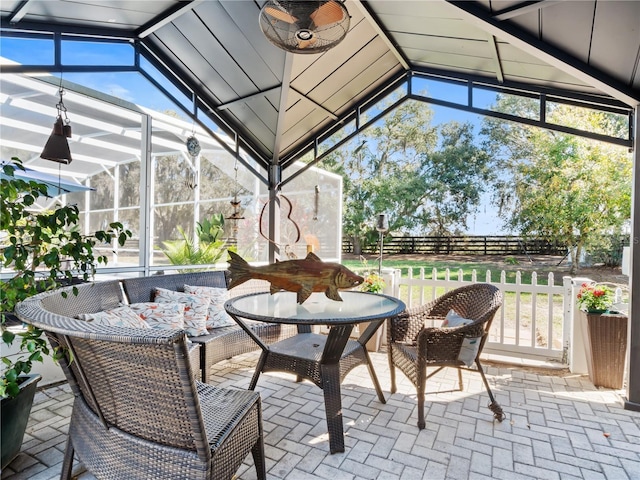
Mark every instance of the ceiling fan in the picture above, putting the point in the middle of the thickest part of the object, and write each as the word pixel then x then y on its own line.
pixel 304 26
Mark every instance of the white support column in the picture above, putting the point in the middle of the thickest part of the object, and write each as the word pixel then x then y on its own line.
pixel 275 172
pixel 116 211
pixel 145 240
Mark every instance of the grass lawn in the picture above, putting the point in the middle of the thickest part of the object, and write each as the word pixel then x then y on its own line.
pixel 455 265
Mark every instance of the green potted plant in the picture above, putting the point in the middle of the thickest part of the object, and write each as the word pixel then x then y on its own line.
pixel 606 345
pixel 210 248
pixel 43 250
pixel 595 298
pixel 373 283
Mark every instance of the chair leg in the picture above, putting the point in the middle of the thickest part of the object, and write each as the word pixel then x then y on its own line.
pixel 494 406
pixel 257 451
pixel 258 459
pixel 422 380
pixel 392 370
pixel 67 463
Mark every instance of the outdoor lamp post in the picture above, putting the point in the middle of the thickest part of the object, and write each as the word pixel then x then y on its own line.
pixel 382 226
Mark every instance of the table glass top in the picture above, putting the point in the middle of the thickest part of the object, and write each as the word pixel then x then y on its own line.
pixel 282 306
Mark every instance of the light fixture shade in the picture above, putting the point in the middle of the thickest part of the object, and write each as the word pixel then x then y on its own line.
pixel 382 224
pixel 57 147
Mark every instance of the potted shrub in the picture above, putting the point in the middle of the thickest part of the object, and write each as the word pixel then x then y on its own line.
pixel 606 346
pixel 44 250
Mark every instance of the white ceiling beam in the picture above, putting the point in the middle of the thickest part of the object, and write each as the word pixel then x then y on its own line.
pixel 555 57
pixel 522 8
pixel 20 11
pixel 496 58
pixel 282 107
pixel 76 157
pixel 163 20
pixel 247 98
pixel 381 33
pixel 329 113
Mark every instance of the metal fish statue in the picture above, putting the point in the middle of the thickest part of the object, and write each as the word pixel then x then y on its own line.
pixel 301 276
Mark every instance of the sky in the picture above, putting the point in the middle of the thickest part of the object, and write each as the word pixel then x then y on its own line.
pixel 135 88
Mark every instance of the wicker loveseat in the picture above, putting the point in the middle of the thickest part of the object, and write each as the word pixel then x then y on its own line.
pixel 220 343
pixel 138 411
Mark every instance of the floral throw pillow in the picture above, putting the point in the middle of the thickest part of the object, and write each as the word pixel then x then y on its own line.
pixel 163 316
pixel 116 317
pixel 217 316
pixel 196 308
pixel 454 320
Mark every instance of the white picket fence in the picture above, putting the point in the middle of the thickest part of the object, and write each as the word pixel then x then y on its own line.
pixel 534 321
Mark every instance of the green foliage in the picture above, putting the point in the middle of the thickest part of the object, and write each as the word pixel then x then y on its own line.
pixel 606 249
pixel 511 260
pixel 44 249
pixel 209 249
pixel 211 229
pixel 427 179
pixel 373 283
pixel 592 296
pixel 568 188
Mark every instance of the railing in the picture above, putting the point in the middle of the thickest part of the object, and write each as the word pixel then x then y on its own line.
pixel 534 321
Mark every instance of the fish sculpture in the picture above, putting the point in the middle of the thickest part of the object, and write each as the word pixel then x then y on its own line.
pixel 301 276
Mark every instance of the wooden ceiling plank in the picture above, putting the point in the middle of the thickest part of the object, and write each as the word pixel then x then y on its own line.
pixel 375 24
pixel 167 17
pixel 550 54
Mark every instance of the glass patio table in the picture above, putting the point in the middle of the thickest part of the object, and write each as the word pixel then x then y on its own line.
pixel 323 359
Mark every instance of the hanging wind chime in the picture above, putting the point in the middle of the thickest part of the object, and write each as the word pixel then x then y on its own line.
pixel 236 214
pixel 193 149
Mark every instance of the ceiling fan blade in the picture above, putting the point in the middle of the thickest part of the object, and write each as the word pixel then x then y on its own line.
pixel 327 13
pixel 279 14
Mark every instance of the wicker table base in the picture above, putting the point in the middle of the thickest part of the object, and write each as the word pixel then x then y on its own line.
pixel 323 359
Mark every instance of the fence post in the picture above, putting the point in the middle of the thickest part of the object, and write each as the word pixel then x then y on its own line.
pixel 577 356
pixel 391 279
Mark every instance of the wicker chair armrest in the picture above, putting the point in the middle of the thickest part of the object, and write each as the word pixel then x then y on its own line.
pixel 404 328
pixel 444 344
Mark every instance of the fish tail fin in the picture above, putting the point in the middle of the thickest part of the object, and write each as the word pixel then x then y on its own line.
pixel 239 270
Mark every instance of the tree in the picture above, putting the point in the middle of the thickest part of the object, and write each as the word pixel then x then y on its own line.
pixel 572 189
pixel 457 175
pixel 425 178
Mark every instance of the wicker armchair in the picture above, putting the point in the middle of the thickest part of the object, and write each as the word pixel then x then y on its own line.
pixel 138 411
pixel 413 346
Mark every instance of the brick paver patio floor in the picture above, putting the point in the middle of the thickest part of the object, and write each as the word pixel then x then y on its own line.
pixel 558 427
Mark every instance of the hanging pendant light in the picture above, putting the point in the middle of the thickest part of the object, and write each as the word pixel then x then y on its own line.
pixel 57 147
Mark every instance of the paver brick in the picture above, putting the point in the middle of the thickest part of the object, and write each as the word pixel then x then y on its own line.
pixel 567 418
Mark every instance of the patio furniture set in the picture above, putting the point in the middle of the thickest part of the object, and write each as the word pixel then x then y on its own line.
pixel 142 412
